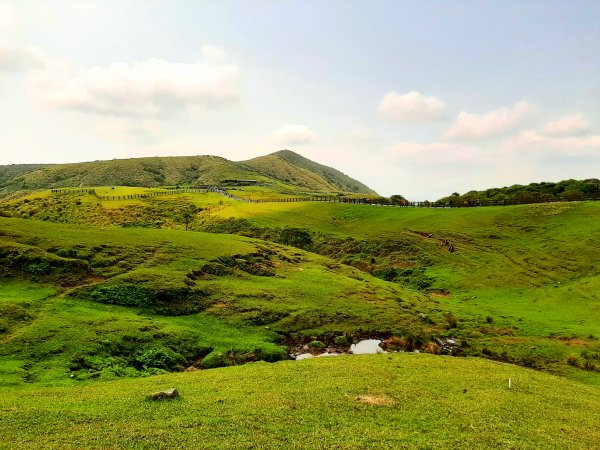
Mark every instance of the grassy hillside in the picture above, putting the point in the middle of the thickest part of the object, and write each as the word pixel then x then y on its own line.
pixel 149 172
pixel 298 171
pixel 96 295
pixel 353 402
pixel 291 173
pixel 7 173
pixel 520 286
pixel 80 302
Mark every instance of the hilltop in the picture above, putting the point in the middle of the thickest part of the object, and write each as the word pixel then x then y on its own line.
pixel 302 172
pixel 283 171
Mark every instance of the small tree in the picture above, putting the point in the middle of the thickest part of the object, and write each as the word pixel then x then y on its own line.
pixel 187 215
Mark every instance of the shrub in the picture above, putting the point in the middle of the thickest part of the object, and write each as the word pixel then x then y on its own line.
pixel 124 295
pixel 296 237
pixel 396 343
pixel 317 344
pixel 39 268
pixel 432 347
pixel 414 341
pixel 160 358
pixel 67 253
pixel 573 360
pixel 451 321
pixel 589 365
pixel 214 359
pixel 341 340
pixel 215 268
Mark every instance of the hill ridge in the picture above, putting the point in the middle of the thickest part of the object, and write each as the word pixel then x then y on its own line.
pixel 292 172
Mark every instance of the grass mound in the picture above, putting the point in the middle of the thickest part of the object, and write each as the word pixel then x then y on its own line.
pixel 382 401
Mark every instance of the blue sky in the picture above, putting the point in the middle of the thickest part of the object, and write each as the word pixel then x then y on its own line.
pixel 417 98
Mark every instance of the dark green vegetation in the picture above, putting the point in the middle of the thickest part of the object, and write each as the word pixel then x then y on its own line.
pixel 95 289
pixel 532 193
pixel 281 172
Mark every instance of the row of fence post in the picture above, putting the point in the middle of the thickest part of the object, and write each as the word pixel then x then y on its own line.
pixel 326 199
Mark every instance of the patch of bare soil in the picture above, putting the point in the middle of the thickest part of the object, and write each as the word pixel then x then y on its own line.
pixel 375 400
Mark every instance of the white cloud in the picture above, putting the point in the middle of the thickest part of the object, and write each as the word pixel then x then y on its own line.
pixel 9 18
pixel 20 58
pixel 435 153
pixel 572 125
pixel 292 134
pixel 362 134
pixel 494 123
pixel 412 106
pixel 150 88
pixel 568 145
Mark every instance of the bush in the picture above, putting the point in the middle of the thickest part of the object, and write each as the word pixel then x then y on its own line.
pixel 124 295
pixel 341 340
pixel 215 268
pixel 451 321
pixel 432 348
pixel 160 358
pixel 396 343
pixel 296 237
pixel 67 253
pixel 214 359
pixel 317 344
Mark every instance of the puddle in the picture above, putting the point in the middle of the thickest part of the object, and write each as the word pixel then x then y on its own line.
pixel 367 347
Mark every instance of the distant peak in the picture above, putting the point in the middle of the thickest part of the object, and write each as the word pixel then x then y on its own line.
pixel 285 151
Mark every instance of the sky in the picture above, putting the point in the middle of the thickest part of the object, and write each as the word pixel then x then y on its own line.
pixel 414 98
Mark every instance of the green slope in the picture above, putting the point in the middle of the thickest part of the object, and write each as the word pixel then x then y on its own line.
pixel 302 172
pixel 120 302
pixel 522 283
pixel 291 173
pixel 354 402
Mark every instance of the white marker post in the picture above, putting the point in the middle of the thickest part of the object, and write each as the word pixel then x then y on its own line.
pixel 509 383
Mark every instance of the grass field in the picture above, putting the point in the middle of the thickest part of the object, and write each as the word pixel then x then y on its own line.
pixel 521 283
pixel 382 401
pixel 99 294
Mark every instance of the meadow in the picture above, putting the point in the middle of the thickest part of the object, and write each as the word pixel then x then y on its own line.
pixel 370 401
pixel 105 301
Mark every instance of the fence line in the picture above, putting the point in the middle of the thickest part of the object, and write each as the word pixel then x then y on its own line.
pixel 328 198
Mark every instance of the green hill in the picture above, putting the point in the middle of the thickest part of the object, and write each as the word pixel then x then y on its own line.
pixel 518 286
pixel 76 304
pixel 292 172
pixel 296 170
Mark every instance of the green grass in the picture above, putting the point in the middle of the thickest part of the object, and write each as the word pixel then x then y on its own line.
pixel 86 305
pixel 531 270
pixel 202 298
pixel 384 401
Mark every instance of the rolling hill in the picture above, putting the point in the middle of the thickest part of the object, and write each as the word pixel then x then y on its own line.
pixel 299 171
pixel 107 295
pixel 282 171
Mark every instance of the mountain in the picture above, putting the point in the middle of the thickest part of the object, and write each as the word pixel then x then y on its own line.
pixel 299 171
pixel 286 170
